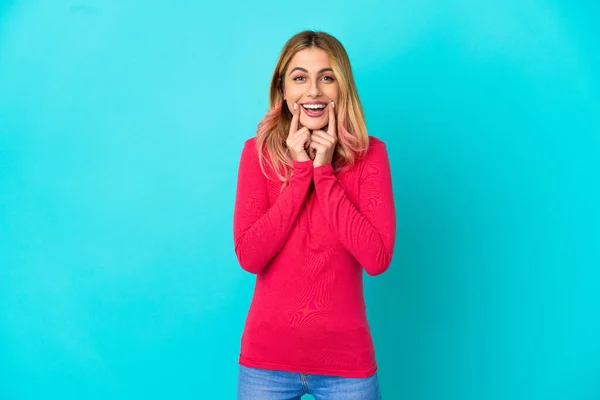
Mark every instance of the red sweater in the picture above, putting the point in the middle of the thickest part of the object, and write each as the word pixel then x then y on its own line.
pixel 308 247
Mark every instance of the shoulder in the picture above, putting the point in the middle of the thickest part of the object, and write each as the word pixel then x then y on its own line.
pixel 376 162
pixel 249 149
pixel 250 143
pixel 375 142
pixel 377 149
pixel 251 156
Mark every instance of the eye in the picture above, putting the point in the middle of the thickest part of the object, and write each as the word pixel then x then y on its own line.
pixel 328 78
pixel 298 77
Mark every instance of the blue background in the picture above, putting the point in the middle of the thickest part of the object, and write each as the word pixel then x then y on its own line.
pixel 121 127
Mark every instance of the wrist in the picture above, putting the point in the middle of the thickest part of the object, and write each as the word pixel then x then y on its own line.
pixel 302 163
pixel 323 168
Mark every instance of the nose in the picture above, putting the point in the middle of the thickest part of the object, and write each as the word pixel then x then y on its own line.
pixel 314 90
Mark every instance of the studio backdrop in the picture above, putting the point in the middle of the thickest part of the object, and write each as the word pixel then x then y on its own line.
pixel 121 129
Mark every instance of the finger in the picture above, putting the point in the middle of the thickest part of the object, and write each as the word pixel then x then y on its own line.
pixel 295 119
pixel 306 141
pixel 326 137
pixel 301 136
pixel 331 127
pixel 324 143
pixel 303 132
pixel 320 148
pixel 316 137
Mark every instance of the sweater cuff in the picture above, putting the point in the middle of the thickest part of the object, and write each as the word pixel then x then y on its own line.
pixel 323 170
pixel 303 164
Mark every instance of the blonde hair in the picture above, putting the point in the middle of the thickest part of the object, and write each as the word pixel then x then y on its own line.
pixel 272 132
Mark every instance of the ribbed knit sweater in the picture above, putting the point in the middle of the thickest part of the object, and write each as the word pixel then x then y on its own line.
pixel 308 246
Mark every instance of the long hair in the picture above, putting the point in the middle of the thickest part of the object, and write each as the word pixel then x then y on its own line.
pixel 272 132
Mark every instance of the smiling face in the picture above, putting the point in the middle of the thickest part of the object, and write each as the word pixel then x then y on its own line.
pixel 309 81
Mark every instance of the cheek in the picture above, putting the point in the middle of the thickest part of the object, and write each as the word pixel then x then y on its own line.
pixel 292 93
pixel 289 103
pixel 290 99
pixel 333 94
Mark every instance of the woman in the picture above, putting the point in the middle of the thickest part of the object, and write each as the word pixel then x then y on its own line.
pixel 314 207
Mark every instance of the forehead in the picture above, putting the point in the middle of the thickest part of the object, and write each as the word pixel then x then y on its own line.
pixel 311 59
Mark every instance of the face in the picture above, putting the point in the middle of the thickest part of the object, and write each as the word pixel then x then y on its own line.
pixel 309 80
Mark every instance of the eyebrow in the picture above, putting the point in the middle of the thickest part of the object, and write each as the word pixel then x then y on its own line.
pixel 305 70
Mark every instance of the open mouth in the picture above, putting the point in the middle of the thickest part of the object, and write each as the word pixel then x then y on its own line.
pixel 314 110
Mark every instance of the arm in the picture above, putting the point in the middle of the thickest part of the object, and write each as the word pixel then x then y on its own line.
pixel 260 232
pixel 368 234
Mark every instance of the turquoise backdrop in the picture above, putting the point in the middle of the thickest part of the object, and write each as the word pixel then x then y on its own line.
pixel 121 127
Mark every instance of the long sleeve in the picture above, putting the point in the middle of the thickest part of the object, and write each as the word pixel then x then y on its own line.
pixel 369 234
pixel 261 231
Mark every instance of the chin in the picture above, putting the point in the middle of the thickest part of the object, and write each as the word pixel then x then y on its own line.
pixel 315 125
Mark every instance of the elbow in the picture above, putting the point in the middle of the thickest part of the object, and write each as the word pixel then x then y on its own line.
pixel 376 268
pixel 248 263
pixel 379 264
pixel 247 259
pixel 249 266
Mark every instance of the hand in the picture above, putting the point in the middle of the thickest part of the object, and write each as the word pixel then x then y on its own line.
pixel 298 139
pixel 322 143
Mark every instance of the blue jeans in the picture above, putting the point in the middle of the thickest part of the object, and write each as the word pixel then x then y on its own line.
pixel 262 384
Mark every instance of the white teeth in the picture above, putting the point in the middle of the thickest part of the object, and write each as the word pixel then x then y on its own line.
pixel 314 106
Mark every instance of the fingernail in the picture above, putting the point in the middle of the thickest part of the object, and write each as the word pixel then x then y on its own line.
pixel 332 104
pixel 295 106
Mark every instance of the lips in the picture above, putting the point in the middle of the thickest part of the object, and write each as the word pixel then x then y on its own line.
pixel 315 113
pixel 314 109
